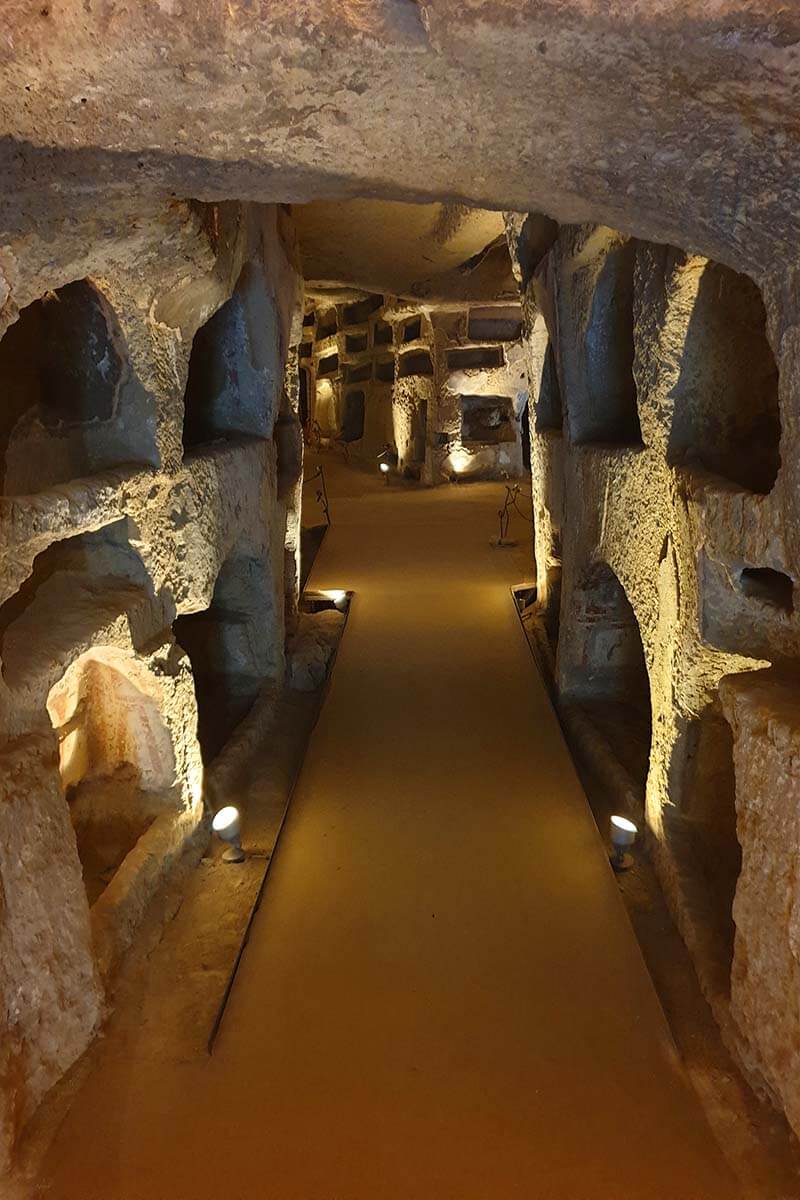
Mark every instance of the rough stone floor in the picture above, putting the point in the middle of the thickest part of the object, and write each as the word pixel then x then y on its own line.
pixel 442 998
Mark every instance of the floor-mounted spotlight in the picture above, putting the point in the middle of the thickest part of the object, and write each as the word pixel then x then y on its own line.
pixel 227 826
pixel 386 460
pixel 623 835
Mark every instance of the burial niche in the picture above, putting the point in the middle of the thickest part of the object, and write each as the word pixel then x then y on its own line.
pixel 72 406
pixel 725 403
pixel 353 416
pixel 702 831
pixel 233 646
pixel 77 586
pixel 607 412
pixel 234 367
pixel 549 410
pixel 487 420
pixel 605 669
pixel 116 758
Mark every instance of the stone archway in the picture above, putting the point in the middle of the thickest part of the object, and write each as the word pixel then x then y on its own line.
pixel 116 758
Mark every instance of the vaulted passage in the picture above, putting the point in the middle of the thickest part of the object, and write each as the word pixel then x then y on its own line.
pixel 399 622
pixel 393 974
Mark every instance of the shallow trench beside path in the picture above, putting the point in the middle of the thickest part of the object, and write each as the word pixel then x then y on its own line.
pixel 442 997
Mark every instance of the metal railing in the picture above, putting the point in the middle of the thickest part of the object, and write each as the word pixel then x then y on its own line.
pixel 321 494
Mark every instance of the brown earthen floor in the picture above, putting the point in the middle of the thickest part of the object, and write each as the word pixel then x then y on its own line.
pixel 442 998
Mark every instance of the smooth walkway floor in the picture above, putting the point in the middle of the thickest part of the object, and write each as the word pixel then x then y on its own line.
pixel 442 998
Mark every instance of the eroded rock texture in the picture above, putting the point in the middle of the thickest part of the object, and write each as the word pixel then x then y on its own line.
pixel 149 449
pixel 663 390
pixel 675 121
pixel 438 391
pixel 149 547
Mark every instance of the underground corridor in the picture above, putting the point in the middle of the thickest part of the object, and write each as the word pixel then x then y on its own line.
pixel 399 653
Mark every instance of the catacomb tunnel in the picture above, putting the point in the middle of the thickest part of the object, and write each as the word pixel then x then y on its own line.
pixel 399 639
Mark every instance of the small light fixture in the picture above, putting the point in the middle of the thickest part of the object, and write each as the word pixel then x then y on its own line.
pixel 623 835
pixel 459 460
pixel 386 460
pixel 227 824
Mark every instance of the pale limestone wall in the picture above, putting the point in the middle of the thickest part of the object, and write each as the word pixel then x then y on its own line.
pixel 764 712
pixel 96 569
pixel 419 413
pixel 683 509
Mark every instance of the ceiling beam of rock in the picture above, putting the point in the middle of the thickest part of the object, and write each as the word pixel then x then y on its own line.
pixel 433 252
pixel 674 120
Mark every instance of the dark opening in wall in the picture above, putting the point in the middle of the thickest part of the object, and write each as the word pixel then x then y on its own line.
pixel 412 330
pixel 416 363
pixel 768 586
pixel 232 646
pixel 362 310
pixel 549 411
pixel 702 834
pixel 235 369
pixel 116 758
pixel 475 358
pixel 726 416
pixel 487 419
pixel 355 343
pixel 604 668
pixel 305 350
pixel 382 334
pixel 326 325
pixel 608 412
pixel 525 430
pixel 495 324
pixel 303 394
pixel 309 319
pixel 353 417
pixel 384 370
pixel 328 366
pixel 72 405
pixel 359 374
pixel 76 587
pixel 537 235
pixel 552 611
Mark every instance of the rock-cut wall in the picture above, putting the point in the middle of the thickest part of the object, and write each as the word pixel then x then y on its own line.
pixel 665 395
pixel 148 535
pixel 444 387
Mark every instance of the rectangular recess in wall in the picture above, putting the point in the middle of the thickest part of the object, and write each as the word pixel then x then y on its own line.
pixel 417 363
pixel 327 325
pixel 362 310
pixel 358 374
pixel 354 343
pixel 305 349
pixel 495 324
pixel 487 420
pixel 475 358
pixel 328 366
pixel 309 319
pixel 412 330
pixel 382 334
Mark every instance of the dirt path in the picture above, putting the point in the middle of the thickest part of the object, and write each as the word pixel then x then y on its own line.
pixel 442 998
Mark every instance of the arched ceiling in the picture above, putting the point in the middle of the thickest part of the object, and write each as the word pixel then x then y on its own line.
pixel 427 251
pixel 673 119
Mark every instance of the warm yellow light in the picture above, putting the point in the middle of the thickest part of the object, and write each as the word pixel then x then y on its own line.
pixel 384 467
pixel 624 823
pixel 334 594
pixel 459 460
